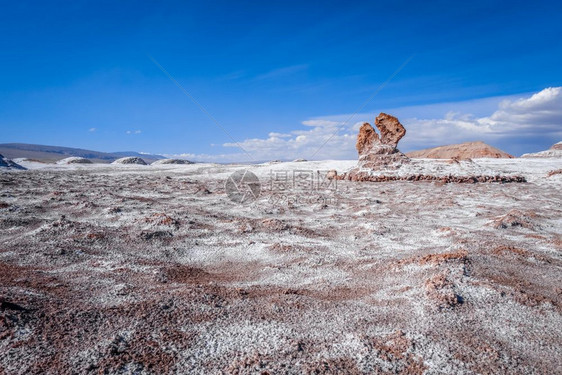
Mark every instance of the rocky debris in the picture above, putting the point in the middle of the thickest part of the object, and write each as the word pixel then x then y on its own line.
pixel 181 273
pixel 95 236
pixel 130 160
pixel 394 350
pixel 299 160
pixel 332 174
pixel 355 175
pixel 332 366
pixel 171 161
pixel 461 151
pixel 553 173
pixel 281 248
pixel 274 225
pixel 5 305
pixel 202 190
pixel 7 163
pixel 515 218
pixel 257 363
pixel 155 235
pixel 442 291
pixel 74 160
pixel 555 151
pixel 245 227
pixel 160 218
pixel 508 250
pixel 460 256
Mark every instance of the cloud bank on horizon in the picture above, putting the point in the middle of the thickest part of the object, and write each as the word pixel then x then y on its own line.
pixel 515 119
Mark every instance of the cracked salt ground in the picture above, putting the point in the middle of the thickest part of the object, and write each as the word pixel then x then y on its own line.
pixel 150 269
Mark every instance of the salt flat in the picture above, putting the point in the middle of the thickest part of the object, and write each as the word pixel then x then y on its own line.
pixel 145 269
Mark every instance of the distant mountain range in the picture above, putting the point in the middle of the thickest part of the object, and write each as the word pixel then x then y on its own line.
pixel 51 154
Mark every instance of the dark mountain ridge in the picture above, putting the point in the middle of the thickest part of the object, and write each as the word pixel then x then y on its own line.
pixel 51 154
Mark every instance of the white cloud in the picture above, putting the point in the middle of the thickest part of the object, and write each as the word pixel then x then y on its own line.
pixel 279 135
pixel 282 72
pixel 320 122
pixel 537 114
pixel 133 131
pixel 325 140
pixel 92 130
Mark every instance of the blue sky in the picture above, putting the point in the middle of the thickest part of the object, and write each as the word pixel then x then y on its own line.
pixel 78 74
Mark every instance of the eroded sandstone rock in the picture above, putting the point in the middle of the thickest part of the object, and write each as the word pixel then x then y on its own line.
pixel 366 137
pixel 390 128
pixel 380 160
pixel 332 174
pixel 380 152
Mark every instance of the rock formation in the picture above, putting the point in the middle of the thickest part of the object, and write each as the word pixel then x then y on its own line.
pixel 380 160
pixel 380 152
pixel 7 163
pixel 130 160
pixel 461 151
pixel 391 129
pixel 74 160
pixel 171 161
pixel 553 152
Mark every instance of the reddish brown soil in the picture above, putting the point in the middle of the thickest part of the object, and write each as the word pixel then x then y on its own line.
pixel 143 272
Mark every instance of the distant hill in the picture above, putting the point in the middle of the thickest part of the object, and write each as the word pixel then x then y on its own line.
pixel 554 152
pixel 467 150
pixel 52 154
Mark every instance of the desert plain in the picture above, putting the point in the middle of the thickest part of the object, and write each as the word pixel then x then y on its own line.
pixel 132 269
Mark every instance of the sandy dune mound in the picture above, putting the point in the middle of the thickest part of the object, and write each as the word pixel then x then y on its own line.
pixel 554 152
pixel 7 163
pixel 130 160
pixel 461 151
pixel 74 160
pixel 171 161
